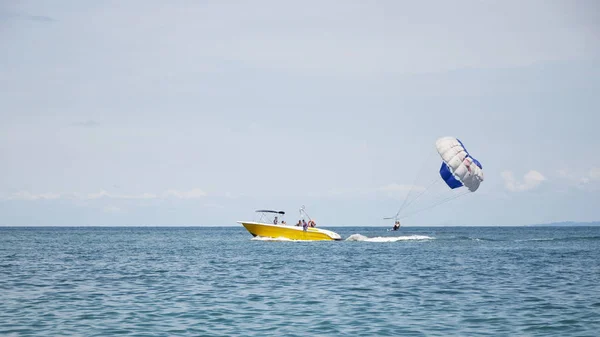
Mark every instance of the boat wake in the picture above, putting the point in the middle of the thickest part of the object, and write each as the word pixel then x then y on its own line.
pixel 360 237
pixel 540 239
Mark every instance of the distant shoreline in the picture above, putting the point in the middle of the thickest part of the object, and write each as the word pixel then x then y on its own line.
pixel 568 224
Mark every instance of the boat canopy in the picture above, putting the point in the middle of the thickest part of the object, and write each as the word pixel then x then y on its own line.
pixel 269 211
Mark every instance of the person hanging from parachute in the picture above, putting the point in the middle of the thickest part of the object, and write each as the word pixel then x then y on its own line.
pixel 458 169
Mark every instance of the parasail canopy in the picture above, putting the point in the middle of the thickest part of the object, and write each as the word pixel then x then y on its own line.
pixel 459 168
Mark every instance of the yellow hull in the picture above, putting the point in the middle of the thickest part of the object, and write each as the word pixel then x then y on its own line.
pixel 289 232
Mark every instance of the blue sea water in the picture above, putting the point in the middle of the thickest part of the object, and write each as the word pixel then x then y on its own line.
pixel 466 281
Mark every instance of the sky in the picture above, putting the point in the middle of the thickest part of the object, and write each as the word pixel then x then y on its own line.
pixel 197 113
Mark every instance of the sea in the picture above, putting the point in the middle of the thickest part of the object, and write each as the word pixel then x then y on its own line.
pixel 220 281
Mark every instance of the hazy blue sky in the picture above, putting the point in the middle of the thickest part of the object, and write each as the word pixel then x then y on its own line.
pixel 200 112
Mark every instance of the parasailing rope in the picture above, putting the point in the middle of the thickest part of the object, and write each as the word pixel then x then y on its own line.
pixel 435 204
pixel 419 172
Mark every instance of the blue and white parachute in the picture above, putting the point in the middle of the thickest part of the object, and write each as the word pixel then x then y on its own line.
pixel 459 168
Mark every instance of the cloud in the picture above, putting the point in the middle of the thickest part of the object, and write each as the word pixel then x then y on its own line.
pixel 24 195
pixel 531 180
pixel 172 193
pixel 104 194
pixel 98 195
pixel 581 179
pixel 191 194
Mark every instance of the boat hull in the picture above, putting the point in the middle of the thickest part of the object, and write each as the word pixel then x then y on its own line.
pixel 289 232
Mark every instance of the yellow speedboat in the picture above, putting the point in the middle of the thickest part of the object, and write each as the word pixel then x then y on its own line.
pixel 273 228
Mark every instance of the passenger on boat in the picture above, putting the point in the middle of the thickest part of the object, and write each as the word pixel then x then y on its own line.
pixel 311 223
pixel 304 225
pixel 283 222
pixel 299 223
pixel 275 221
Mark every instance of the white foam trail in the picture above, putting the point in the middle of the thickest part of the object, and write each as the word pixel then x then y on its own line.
pixel 542 239
pixel 360 237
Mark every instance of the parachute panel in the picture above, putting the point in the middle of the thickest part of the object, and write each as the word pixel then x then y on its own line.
pixel 449 177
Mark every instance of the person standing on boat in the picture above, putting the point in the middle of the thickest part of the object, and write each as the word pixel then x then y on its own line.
pixel 275 221
pixel 304 225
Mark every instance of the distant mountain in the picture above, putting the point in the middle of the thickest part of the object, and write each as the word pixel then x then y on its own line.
pixel 568 224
